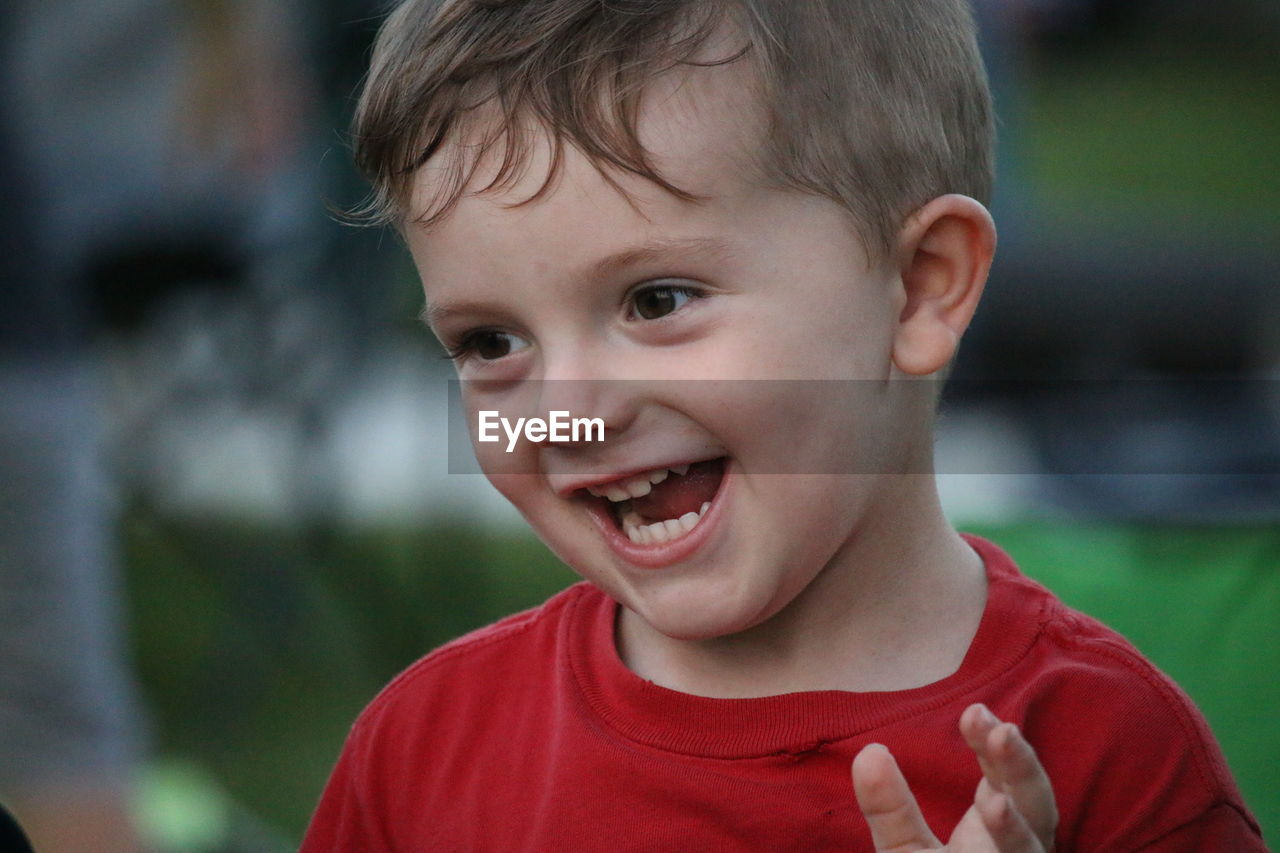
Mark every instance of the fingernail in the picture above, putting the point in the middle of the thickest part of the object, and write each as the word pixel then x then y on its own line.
pixel 988 718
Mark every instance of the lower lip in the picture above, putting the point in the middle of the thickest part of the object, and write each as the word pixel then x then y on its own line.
pixel 662 554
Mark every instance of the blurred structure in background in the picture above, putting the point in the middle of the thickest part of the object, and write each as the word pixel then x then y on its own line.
pixel 169 267
pixel 199 358
pixel 1131 324
pixel 70 723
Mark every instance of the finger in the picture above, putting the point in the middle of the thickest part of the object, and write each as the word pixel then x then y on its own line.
pixel 887 802
pixel 1005 824
pixel 976 724
pixel 1010 763
pixel 1025 780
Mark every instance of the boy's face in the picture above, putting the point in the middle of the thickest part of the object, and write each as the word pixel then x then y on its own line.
pixel 751 284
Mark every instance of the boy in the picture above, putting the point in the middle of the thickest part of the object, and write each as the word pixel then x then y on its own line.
pixel 756 190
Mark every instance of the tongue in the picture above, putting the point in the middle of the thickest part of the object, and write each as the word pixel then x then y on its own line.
pixel 676 495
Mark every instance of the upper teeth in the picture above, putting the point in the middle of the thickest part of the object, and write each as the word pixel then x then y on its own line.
pixel 637 486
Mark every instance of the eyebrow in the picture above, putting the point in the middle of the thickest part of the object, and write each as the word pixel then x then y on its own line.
pixel 431 315
pixel 655 250
pixel 612 265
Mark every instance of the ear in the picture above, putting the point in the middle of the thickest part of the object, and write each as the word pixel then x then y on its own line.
pixel 944 254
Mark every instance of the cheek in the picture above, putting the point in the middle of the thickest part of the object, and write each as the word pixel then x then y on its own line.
pixel 827 506
pixel 520 489
pixel 802 427
pixel 493 456
pixel 844 338
pixel 504 473
pixel 516 474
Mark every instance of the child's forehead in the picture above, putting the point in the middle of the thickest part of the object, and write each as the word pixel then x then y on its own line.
pixel 587 226
pixel 700 124
pixel 703 122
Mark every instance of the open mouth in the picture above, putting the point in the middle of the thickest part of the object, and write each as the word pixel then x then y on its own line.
pixel 663 504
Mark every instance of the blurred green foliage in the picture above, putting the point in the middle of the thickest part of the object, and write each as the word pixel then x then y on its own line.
pixel 1132 131
pixel 257 647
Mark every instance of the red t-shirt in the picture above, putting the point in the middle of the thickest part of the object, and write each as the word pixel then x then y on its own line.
pixel 532 735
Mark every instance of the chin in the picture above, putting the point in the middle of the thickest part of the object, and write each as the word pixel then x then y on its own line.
pixel 693 615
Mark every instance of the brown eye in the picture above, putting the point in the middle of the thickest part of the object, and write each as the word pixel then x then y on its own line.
pixel 659 301
pixel 486 345
pixel 490 345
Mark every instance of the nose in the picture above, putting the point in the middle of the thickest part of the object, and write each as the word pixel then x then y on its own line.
pixel 603 409
pixel 578 383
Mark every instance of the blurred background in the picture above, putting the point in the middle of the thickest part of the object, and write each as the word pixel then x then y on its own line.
pixel 225 517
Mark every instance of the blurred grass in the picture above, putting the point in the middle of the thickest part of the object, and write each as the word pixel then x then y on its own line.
pixel 257 647
pixel 1156 129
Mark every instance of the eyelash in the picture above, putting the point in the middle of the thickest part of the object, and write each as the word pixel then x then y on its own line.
pixel 458 351
pixel 692 293
pixel 465 348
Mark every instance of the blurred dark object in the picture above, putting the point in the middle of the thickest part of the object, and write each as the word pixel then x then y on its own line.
pixel 129 281
pixel 12 839
pixel 1149 301
pixel 1073 23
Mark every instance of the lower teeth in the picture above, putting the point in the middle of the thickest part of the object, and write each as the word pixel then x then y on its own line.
pixel 660 531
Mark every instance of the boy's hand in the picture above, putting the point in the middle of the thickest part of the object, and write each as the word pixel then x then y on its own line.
pixel 1013 809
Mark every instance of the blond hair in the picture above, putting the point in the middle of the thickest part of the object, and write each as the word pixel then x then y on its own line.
pixel 880 105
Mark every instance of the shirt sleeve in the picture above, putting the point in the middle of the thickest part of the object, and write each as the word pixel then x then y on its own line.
pixel 1221 827
pixel 344 820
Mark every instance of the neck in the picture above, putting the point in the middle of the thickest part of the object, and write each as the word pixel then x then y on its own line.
pixel 895 608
